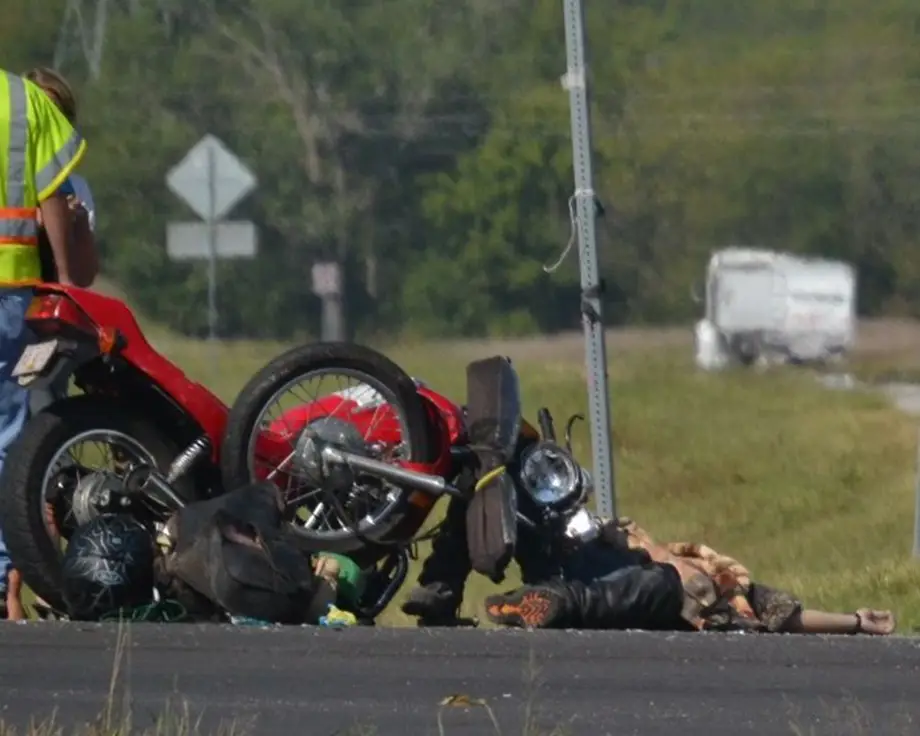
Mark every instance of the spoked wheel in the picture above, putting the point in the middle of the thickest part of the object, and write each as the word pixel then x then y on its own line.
pixel 330 396
pixel 64 469
pixel 352 398
pixel 83 475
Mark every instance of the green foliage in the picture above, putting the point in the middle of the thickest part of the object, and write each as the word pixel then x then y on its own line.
pixel 425 145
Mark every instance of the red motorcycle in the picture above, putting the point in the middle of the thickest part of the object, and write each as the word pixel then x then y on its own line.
pixel 361 467
pixel 143 438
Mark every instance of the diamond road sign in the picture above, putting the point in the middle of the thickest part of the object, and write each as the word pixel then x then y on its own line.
pixel 210 179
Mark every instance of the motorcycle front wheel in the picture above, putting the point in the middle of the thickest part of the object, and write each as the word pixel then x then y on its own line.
pixel 42 474
pixel 352 520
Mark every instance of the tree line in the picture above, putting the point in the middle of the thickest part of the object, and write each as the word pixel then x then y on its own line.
pixel 425 146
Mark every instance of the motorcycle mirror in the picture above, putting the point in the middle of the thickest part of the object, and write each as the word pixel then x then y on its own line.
pixel 568 431
pixel 547 429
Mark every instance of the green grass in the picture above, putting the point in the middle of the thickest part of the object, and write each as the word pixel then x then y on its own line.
pixel 811 489
pixel 888 369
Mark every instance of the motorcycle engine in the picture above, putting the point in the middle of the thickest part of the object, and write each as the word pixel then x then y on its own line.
pixel 308 460
pixel 93 494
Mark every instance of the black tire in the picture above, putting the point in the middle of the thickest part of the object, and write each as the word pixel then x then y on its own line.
pixel 251 402
pixel 31 550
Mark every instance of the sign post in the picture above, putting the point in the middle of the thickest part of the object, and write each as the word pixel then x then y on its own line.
pixel 212 245
pixel 211 180
pixel 586 210
pixel 327 285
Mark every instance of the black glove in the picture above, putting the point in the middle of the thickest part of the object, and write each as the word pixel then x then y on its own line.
pixel 612 534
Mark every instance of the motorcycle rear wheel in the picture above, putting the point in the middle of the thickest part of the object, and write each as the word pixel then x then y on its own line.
pixel 22 493
pixel 356 360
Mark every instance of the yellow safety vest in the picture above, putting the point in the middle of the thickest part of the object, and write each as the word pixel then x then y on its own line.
pixel 39 149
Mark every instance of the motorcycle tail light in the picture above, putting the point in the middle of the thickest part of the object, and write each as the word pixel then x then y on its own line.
pixel 107 339
pixel 48 309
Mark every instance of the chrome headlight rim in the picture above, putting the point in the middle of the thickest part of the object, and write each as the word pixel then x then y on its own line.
pixel 569 483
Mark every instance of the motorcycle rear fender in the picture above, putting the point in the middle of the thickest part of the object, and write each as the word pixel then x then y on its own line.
pixel 95 373
pixel 192 398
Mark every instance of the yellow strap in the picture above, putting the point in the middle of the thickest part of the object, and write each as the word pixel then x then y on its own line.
pixel 489 477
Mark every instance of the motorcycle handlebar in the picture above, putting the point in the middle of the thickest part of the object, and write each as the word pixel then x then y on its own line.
pixel 547 427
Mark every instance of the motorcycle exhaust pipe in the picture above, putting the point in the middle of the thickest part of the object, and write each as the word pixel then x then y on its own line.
pixel 147 480
pixel 434 485
pixel 157 483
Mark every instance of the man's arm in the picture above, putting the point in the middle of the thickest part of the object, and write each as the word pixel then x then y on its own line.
pixel 84 244
pixel 71 239
pixel 57 149
pixel 55 216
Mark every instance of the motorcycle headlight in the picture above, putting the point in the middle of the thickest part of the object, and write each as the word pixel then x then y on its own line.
pixel 550 476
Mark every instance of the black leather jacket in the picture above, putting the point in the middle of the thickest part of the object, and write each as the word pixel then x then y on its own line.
pixel 545 555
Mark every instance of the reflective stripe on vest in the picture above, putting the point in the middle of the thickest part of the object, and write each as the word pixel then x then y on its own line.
pixel 18 226
pixel 45 177
pixel 19 258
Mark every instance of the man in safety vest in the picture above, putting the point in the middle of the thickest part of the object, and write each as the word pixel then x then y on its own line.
pixel 39 149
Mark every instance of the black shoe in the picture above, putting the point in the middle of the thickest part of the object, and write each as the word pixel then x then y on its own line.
pixel 433 605
pixel 527 608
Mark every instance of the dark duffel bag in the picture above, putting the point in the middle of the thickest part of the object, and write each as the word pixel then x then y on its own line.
pixel 236 552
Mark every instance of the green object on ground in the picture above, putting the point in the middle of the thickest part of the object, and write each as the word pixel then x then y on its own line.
pixel 351 579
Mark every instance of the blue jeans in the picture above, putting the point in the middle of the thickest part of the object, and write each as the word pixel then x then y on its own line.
pixel 14 400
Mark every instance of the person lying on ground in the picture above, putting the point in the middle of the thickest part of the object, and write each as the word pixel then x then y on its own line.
pixel 677 586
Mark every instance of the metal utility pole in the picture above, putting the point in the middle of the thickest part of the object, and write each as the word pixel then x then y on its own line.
pixel 576 81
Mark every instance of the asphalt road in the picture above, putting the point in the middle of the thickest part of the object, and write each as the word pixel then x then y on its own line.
pixel 386 681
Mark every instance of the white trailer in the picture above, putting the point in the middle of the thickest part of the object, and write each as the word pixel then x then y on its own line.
pixel 766 307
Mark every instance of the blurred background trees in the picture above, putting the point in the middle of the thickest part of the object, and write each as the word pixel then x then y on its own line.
pixel 425 145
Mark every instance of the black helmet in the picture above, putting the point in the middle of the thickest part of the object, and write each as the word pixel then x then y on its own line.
pixel 108 565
